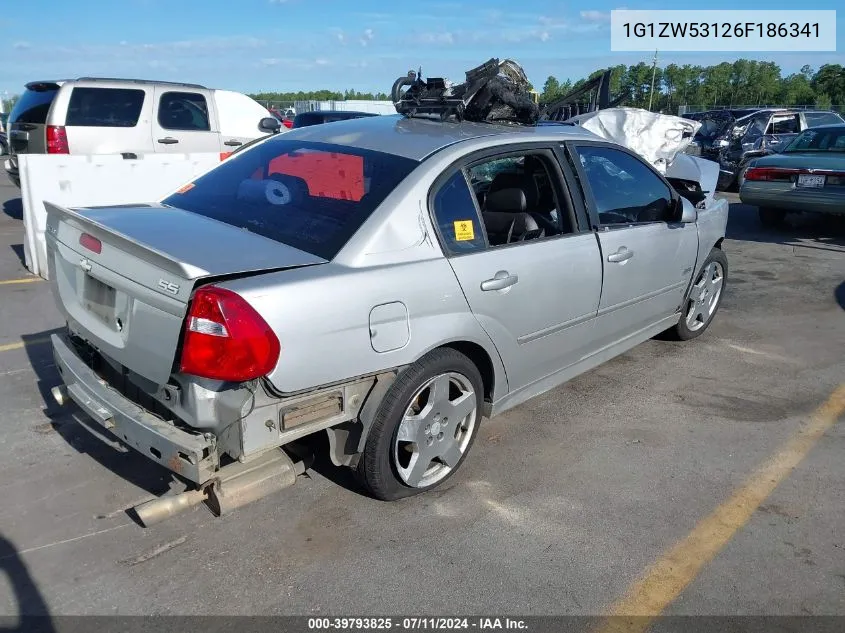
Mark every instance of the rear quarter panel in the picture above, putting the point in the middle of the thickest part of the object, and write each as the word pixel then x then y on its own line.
pixel 325 321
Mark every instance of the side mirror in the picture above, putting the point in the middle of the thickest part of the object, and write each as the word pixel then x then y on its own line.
pixel 270 125
pixel 689 213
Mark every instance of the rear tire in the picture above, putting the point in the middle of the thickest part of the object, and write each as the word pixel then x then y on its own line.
pixel 771 218
pixel 424 426
pixel 704 298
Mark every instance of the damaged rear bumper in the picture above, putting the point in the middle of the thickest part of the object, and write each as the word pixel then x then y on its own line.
pixel 190 455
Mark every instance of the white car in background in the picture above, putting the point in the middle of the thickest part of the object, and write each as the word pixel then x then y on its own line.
pixel 131 117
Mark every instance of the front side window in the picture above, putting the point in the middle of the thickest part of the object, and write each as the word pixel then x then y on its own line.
pixel 624 189
pixel 312 196
pixel 104 107
pixel 787 124
pixel 183 111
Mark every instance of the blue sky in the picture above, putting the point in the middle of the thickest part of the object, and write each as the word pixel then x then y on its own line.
pixel 254 45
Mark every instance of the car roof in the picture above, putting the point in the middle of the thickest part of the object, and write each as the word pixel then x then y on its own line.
pixel 418 138
pixel 60 82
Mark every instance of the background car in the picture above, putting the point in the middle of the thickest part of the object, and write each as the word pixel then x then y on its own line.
pixel 318 117
pixel 758 134
pixel 131 117
pixel 807 176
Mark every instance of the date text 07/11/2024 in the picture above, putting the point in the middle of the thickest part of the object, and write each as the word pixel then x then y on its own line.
pixel 415 623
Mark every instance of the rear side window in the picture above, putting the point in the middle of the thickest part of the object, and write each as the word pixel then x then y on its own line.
pixel 312 196
pixel 104 107
pixel 457 217
pixel 183 111
pixel 34 105
pixel 815 119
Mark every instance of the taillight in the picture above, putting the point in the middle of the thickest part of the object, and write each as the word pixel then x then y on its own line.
pixel 770 174
pixel 57 140
pixel 91 243
pixel 287 123
pixel 226 339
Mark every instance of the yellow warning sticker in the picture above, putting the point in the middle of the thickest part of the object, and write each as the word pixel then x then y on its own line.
pixel 464 231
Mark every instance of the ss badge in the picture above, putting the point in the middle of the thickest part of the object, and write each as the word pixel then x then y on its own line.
pixel 168 286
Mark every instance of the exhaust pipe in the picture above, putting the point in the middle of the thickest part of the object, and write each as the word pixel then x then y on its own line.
pixel 60 395
pixel 157 510
pixel 237 485
pixel 251 482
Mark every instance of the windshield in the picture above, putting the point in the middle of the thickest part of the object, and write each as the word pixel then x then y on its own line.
pixel 818 140
pixel 312 196
pixel 711 128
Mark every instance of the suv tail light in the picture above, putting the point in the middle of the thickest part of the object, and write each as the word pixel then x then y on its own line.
pixel 770 174
pixel 226 339
pixel 57 140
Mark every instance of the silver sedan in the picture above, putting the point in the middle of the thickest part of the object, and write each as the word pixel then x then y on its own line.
pixel 387 280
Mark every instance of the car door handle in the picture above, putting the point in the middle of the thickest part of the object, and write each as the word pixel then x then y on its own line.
pixel 232 143
pixel 621 255
pixel 501 280
pixel 168 140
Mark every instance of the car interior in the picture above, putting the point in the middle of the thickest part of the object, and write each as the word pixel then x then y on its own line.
pixel 517 200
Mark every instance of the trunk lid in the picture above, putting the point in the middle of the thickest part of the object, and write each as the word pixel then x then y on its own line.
pixel 129 299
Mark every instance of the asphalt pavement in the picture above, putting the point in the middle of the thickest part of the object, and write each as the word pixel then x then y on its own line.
pixel 563 504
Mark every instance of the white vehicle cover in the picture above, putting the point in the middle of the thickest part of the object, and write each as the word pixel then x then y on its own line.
pixel 659 138
pixel 656 137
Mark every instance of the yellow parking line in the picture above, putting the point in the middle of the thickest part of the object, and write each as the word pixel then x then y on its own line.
pixel 8 347
pixel 25 280
pixel 664 581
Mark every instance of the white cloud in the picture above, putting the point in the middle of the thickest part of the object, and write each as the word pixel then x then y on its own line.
pixel 436 38
pixel 21 46
pixel 322 62
pixel 367 37
pixel 596 16
pixel 544 36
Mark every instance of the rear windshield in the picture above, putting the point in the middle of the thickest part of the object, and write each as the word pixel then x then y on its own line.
pixel 104 107
pixel 819 140
pixel 312 196
pixel 815 119
pixel 34 105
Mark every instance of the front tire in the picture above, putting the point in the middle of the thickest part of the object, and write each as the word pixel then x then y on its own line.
pixel 704 298
pixel 424 426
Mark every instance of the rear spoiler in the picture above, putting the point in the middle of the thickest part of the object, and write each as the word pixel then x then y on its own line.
pixel 79 221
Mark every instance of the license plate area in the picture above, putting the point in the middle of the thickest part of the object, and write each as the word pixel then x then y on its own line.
pixel 99 299
pixel 810 180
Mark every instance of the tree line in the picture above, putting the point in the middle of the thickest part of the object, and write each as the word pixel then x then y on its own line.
pixel 743 82
pixel 318 95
